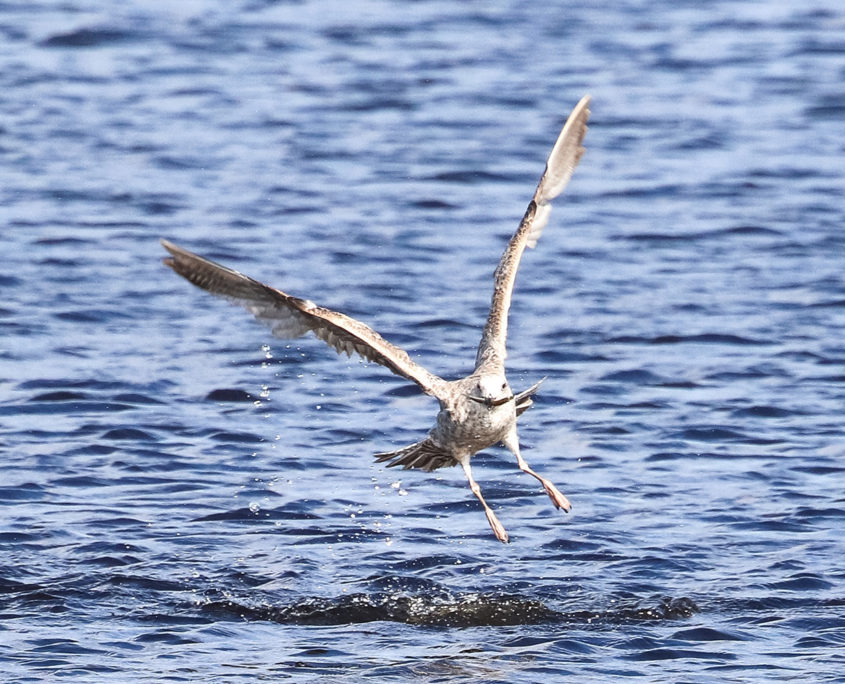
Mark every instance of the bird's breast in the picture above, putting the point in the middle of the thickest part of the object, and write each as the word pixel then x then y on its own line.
pixel 470 426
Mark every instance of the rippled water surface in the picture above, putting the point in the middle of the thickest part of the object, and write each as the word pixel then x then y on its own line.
pixel 185 498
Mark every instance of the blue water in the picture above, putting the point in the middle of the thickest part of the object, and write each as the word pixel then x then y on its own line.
pixel 185 498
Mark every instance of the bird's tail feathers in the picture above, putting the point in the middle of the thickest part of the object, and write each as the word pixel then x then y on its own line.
pixel 425 455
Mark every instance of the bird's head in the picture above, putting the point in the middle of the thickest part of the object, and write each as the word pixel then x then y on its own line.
pixel 491 390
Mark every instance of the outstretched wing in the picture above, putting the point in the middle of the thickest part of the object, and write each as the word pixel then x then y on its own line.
pixel 562 161
pixel 290 317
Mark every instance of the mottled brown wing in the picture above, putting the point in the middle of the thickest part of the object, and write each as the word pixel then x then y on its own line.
pixel 562 161
pixel 290 317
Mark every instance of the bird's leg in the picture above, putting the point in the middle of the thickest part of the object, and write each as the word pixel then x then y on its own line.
pixel 511 441
pixel 497 527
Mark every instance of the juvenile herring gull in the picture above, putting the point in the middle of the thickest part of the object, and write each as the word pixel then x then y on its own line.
pixel 477 411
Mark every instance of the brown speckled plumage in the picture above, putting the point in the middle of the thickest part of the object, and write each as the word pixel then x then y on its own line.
pixel 477 411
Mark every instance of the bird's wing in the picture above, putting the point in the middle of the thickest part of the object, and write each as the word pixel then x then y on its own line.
pixel 562 161
pixel 290 317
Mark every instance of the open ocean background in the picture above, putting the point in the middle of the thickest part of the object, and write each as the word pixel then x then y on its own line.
pixel 184 498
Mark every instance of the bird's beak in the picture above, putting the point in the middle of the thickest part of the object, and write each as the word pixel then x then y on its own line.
pixel 487 401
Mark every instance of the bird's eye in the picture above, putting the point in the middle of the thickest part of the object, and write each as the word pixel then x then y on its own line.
pixel 504 384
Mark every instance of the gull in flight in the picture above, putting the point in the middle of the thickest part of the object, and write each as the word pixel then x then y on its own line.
pixel 477 411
